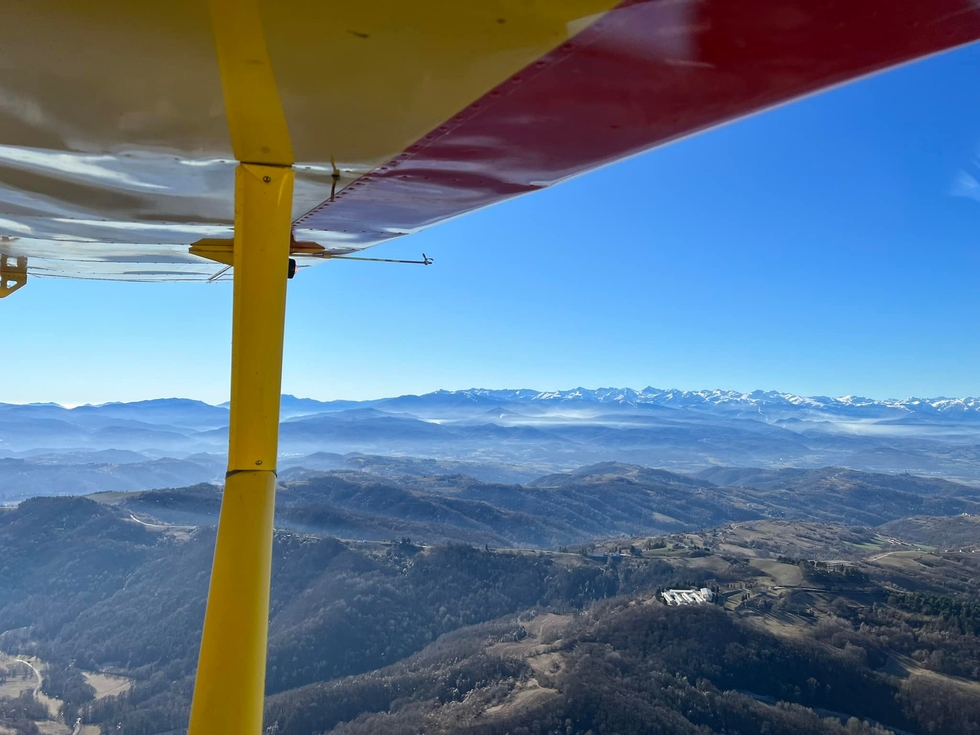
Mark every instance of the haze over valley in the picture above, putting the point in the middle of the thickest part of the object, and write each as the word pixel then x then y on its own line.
pixel 493 435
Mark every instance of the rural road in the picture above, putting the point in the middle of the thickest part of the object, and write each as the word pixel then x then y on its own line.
pixel 37 673
pixel 37 691
pixel 876 557
pixel 156 526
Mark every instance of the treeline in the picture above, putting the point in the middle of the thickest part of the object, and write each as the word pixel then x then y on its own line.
pixel 393 638
pixel 635 669
pixel 18 714
pixel 59 556
pixel 67 683
pixel 337 611
pixel 948 644
pixel 449 671
pixel 709 644
pixel 964 614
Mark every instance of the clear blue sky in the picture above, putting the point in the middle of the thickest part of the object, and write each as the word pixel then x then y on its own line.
pixel 827 247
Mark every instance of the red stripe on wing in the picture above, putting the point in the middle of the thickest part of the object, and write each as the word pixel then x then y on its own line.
pixel 647 72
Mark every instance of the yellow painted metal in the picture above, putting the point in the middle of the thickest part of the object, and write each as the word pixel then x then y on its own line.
pixel 361 81
pixel 223 251
pixel 220 251
pixel 13 274
pixel 230 686
pixel 230 689
pixel 263 195
pixel 358 80
pixel 255 117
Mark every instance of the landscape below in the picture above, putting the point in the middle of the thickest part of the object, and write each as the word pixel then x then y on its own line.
pixel 409 596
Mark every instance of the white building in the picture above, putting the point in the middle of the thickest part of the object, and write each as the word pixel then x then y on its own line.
pixel 688 597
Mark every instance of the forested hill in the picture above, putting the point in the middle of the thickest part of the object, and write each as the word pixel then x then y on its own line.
pixel 567 508
pixel 396 637
pixel 958 531
pixel 87 589
pixel 630 669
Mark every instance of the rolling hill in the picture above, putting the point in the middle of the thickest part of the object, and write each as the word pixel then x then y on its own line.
pixel 396 637
pixel 566 508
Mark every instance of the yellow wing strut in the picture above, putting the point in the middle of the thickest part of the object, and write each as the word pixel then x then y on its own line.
pixel 256 119
pixel 230 687
pixel 229 691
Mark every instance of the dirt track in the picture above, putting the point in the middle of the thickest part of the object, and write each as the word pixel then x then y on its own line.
pixel 37 674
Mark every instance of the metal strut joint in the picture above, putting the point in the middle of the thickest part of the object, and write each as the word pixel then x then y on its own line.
pixel 13 274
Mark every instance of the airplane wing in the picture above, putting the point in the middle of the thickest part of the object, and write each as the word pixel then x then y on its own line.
pixel 116 160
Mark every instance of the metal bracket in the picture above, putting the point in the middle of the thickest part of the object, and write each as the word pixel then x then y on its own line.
pixel 13 274
pixel 223 251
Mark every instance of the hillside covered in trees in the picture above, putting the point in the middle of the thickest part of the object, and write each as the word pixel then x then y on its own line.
pixel 568 508
pixel 402 636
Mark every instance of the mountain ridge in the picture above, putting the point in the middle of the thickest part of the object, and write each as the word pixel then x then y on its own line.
pixel 587 503
pixel 606 395
pixel 547 431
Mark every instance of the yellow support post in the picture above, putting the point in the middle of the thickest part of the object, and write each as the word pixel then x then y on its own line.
pixel 230 688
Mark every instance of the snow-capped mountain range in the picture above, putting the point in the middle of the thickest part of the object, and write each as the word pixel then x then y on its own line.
pixel 728 399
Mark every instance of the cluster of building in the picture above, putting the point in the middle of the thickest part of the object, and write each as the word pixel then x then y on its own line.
pixel 688 597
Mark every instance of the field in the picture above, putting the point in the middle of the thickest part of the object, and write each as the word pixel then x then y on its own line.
pixel 107 685
pixel 21 678
pixel 782 575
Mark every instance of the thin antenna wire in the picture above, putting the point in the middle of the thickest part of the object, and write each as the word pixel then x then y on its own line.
pixel 426 260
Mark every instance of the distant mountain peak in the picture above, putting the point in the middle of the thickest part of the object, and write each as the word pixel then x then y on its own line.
pixel 709 399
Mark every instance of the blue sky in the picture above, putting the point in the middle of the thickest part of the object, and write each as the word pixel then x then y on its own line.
pixel 826 247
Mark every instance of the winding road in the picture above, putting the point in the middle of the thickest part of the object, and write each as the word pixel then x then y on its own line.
pixel 37 691
pixel 37 673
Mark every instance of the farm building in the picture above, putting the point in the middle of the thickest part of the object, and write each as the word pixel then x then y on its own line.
pixel 688 597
